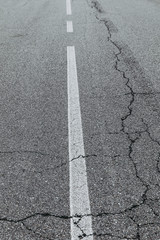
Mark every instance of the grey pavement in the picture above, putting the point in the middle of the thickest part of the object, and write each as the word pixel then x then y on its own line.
pixel 118 63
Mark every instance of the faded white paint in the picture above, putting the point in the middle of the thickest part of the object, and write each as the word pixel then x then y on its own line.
pixel 79 195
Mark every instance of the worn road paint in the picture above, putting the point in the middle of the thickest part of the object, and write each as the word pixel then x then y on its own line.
pixel 69 26
pixel 79 195
pixel 68 7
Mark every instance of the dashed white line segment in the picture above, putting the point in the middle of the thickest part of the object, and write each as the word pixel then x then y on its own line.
pixel 81 223
pixel 69 26
pixel 68 7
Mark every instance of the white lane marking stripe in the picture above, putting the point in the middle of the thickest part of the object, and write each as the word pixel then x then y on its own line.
pixel 79 195
pixel 68 7
pixel 69 26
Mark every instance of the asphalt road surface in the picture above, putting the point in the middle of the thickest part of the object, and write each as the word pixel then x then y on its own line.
pixel 79 119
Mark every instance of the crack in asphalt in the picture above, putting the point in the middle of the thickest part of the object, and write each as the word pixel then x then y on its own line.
pixel 83 234
pixel 83 156
pixel 35 215
pixel 79 218
pixel 47 214
pixel 138 229
pixel 34 232
pixel 95 4
pixel 149 134
pixel 109 235
pixel 22 221
pixel 44 154
pixel 66 162
pixel 129 113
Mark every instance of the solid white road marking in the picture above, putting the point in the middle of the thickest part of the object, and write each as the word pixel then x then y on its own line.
pixel 79 195
pixel 68 7
pixel 69 26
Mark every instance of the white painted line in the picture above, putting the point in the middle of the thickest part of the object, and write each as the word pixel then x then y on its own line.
pixel 68 7
pixel 79 195
pixel 69 26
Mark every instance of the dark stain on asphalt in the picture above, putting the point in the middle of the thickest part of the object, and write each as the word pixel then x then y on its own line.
pixel 95 4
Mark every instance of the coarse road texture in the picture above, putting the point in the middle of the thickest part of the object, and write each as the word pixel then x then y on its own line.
pixel 79 119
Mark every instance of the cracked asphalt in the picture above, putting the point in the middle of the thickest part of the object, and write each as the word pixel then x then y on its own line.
pixel 117 52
